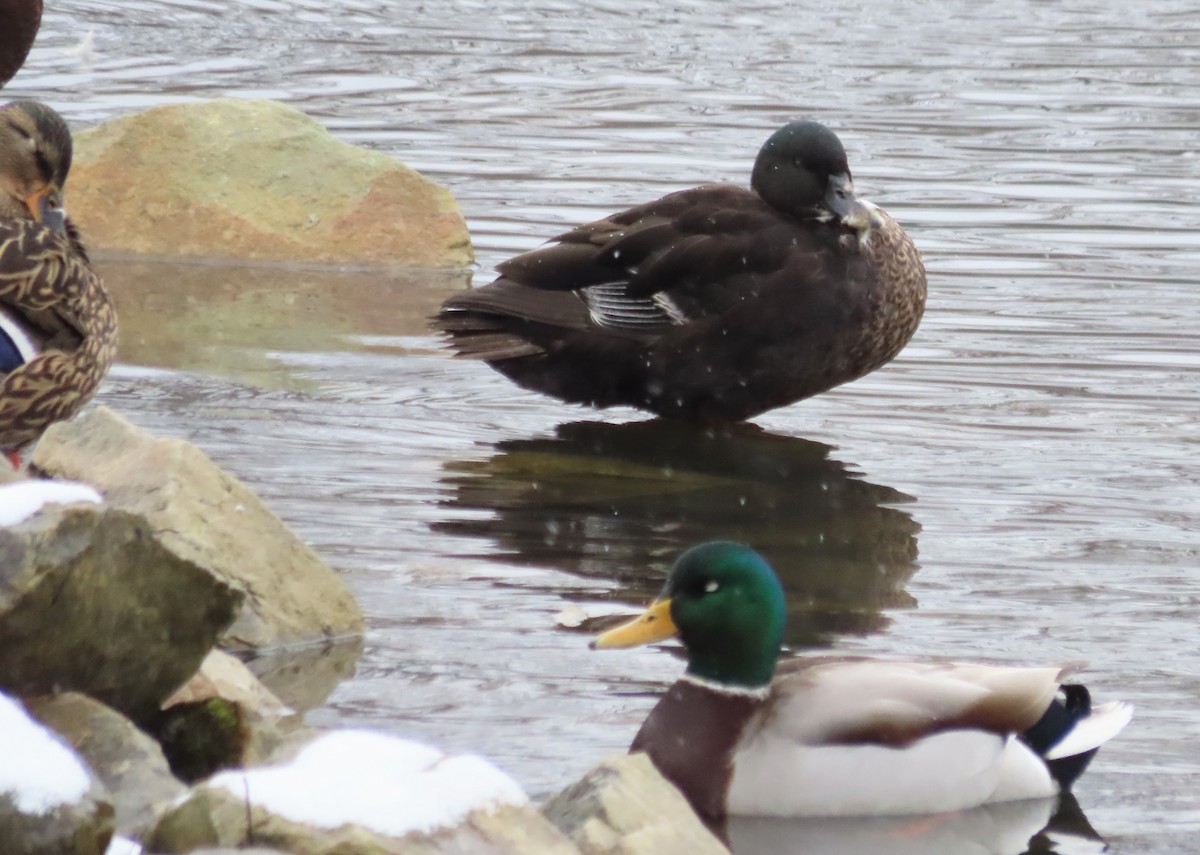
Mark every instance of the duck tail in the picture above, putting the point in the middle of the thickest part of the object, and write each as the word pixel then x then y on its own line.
pixel 1071 731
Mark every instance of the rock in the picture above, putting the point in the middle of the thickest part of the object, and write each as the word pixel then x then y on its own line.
pixel 223 717
pixel 130 764
pixel 256 180
pixel 206 516
pixel 49 802
pixel 363 793
pixel 203 737
pixel 223 676
pixel 624 806
pixel 91 600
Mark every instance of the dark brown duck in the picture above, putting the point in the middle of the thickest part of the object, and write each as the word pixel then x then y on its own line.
pixel 713 304
pixel 19 23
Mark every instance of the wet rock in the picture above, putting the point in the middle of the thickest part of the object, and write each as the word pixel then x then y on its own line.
pixel 130 763
pixel 222 718
pixel 363 793
pixel 256 180
pixel 203 737
pixel 206 516
pixel 90 600
pixel 624 806
pixel 49 802
pixel 223 676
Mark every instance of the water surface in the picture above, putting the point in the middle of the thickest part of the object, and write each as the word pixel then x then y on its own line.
pixel 1020 485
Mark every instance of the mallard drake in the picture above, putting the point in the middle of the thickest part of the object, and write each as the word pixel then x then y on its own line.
pixel 712 304
pixel 58 328
pixel 842 736
pixel 21 18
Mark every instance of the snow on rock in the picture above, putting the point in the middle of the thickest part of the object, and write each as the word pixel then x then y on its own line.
pixel 123 846
pixel 388 785
pixel 22 499
pixel 38 771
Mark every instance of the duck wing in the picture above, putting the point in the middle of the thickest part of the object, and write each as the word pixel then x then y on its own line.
pixel 848 701
pixel 690 255
pixel 58 330
pixel 42 279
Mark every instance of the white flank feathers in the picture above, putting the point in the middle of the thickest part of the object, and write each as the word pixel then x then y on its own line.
pixel 38 771
pixel 1104 722
pixel 389 785
pixel 22 499
pixel 953 770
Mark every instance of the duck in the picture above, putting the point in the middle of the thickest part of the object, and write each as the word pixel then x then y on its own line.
pixel 710 305
pixel 58 326
pixel 743 734
pixel 22 19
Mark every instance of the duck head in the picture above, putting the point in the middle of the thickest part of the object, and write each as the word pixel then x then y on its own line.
pixel 35 157
pixel 802 170
pixel 726 605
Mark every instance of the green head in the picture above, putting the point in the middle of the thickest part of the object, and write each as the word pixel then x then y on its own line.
pixel 727 606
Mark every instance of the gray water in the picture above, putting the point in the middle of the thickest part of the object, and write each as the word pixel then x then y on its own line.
pixel 1020 485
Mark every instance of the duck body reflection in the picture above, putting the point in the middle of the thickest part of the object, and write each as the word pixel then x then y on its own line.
pixel 597 499
pixel 1030 827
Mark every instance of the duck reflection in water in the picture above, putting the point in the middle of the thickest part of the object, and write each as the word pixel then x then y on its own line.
pixel 1033 827
pixel 596 499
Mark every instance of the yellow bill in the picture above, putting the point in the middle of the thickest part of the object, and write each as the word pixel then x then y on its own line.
pixel 654 624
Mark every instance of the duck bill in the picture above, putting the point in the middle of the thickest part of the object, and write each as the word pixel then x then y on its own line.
pixel 652 625
pixel 852 211
pixel 43 210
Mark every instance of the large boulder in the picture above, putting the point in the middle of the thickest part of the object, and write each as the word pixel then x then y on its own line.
pixel 206 516
pixel 49 802
pixel 363 793
pixel 256 180
pixel 130 763
pixel 624 806
pixel 91 600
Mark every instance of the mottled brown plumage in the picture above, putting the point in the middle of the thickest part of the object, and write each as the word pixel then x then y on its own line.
pixel 713 304
pixel 19 23
pixel 56 319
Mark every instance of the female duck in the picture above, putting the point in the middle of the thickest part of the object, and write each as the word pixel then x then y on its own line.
pixel 842 737
pixel 713 304
pixel 58 328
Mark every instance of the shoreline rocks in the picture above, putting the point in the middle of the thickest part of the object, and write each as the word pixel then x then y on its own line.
pixel 256 180
pixel 205 516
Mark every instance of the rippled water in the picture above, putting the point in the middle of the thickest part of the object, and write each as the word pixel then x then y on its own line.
pixel 1021 484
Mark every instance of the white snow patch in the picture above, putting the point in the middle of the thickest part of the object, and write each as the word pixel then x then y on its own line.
pixel 22 499
pixel 389 785
pixel 38 771
pixel 123 846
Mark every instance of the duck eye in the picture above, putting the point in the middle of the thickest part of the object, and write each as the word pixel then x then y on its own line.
pixel 711 586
